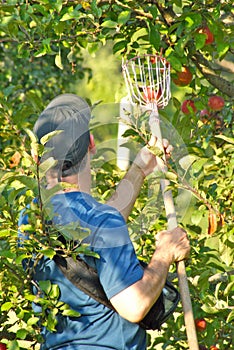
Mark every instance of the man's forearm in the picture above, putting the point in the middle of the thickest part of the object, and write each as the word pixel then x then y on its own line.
pixel 127 191
pixel 134 302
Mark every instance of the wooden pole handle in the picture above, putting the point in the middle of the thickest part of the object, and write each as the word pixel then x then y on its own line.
pixel 172 223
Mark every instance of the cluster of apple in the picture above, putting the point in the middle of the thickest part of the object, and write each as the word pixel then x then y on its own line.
pixel 184 77
pixel 215 104
pixel 211 113
pixel 200 324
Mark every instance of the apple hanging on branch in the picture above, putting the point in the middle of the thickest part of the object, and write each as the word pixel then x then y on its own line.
pixel 183 78
pixel 188 107
pixel 209 35
pixel 200 324
pixel 216 103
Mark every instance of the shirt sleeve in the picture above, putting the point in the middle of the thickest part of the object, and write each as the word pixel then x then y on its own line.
pixel 118 266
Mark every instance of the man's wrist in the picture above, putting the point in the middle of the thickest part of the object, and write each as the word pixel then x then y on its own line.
pixel 136 168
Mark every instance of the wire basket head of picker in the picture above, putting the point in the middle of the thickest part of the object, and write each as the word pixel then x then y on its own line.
pixel 147 80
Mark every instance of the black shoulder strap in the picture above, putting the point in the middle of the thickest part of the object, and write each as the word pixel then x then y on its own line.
pixel 83 277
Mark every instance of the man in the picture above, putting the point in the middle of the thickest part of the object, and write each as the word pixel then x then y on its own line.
pixel 131 289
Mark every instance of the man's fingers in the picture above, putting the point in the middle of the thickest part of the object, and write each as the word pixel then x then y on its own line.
pixel 165 143
pixel 169 149
pixel 153 140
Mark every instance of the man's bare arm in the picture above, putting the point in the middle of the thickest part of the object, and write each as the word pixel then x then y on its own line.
pixel 134 302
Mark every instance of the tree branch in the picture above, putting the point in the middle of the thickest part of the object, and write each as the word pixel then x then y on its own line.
pixel 220 83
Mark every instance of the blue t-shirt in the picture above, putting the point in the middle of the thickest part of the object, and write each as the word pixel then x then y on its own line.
pixel 98 327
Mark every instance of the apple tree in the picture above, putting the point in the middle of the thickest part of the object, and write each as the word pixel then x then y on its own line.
pixel 42 45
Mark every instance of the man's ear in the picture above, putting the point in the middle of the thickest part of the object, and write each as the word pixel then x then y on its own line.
pixel 92 146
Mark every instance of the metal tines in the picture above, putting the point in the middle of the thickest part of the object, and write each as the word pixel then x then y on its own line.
pixel 148 80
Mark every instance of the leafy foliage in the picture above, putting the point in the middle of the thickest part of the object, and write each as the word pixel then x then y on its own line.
pixel 42 46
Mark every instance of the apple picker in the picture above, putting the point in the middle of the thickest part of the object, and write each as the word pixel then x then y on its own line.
pixel 147 80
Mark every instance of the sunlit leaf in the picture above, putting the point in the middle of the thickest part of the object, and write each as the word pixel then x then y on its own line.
pixel 46 166
pixel 58 61
pixel 49 136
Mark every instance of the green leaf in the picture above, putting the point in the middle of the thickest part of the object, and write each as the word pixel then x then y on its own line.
pixel 154 36
pixel 129 132
pixel 52 320
pixel 71 15
pixel 84 249
pixel 50 253
pixel 21 257
pixel 47 194
pixel 71 313
pixel 230 317
pixel 97 11
pixel 119 45
pixel 193 20
pixel 225 138
pixel 109 24
pixel 229 289
pixel 196 217
pixel 7 254
pixel 54 292
pixel 210 309
pixel 155 150
pixel 21 333
pixel 58 61
pixel 28 182
pixel 138 34
pixel 73 231
pixel 5 233
pixel 123 17
pixel 58 5
pixel 187 161
pixel 153 10
pixel 46 165
pixel 45 286
pixel 31 135
pixel 200 40
pixel 49 136
pixel 222 48
pixel 32 321
pixel 6 306
pixel 175 62
pixel 171 176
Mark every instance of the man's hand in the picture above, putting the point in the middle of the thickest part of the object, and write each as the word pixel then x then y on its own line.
pixel 173 245
pixel 146 159
pixel 144 164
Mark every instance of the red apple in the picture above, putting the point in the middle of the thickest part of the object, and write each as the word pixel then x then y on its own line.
pixel 3 346
pixel 150 95
pixel 186 104
pixel 216 103
pixel 200 324
pixel 184 77
pixel 213 347
pixel 209 35
pixel 204 115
